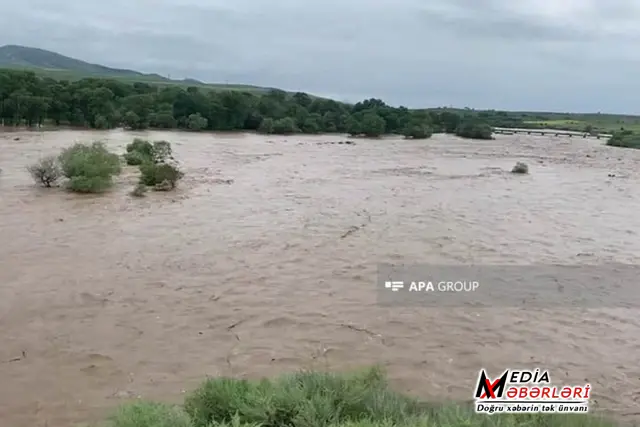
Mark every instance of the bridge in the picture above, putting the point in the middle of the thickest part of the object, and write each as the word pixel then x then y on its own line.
pixel 552 132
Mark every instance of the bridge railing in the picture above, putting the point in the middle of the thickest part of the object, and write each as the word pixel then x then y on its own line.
pixel 554 132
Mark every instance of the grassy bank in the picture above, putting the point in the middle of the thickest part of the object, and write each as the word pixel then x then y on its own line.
pixel 625 139
pixel 603 123
pixel 312 399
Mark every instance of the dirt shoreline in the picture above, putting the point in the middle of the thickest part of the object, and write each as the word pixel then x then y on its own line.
pixel 104 298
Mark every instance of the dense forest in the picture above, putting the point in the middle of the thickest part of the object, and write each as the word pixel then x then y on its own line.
pixel 26 99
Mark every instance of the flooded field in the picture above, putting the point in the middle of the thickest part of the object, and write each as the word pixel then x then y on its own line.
pixel 106 298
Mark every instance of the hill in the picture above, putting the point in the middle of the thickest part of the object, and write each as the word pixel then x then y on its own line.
pixel 30 57
pixel 60 67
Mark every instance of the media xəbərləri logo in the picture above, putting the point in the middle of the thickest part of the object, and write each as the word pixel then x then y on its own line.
pixel 528 391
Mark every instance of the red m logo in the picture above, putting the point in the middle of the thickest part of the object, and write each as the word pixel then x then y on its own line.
pixel 491 390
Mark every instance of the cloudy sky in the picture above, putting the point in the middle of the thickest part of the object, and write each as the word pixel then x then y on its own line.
pixel 559 55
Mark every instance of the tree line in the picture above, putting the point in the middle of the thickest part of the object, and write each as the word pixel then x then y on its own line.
pixel 99 103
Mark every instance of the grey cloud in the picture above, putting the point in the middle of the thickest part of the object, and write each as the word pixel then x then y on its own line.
pixel 505 28
pixel 542 55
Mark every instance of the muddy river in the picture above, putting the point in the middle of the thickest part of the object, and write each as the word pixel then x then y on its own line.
pixel 107 298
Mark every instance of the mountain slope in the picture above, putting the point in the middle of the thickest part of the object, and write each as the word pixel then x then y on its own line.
pixel 59 67
pixel 54 65
pixel 30 57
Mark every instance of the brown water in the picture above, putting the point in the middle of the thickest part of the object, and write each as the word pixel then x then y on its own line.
pixel 112 297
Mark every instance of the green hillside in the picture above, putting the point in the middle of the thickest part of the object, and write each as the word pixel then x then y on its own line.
pixel 50 64
pixel 31 57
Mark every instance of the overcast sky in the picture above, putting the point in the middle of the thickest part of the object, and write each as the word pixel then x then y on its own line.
pixel 560 55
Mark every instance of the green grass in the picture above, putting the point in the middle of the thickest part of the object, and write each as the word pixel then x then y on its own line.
pixel 577 123
pixel 598 124
pixel 603 123
pixel 315 399
pixel 150 414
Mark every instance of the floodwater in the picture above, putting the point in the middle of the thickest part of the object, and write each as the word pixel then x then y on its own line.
pixel 106 298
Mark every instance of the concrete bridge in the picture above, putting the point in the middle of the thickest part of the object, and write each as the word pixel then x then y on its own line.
pixel 552 132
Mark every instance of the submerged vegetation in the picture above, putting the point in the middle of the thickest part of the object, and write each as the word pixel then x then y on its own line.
pixel 138 152
pixel 90 168
pixel 141 150
pixel 26 99
pixel 160 176
pixel 305 399
pixel 520 168
pixel 155 169
pixel 474 129
pixel 625 138
pixel 46 171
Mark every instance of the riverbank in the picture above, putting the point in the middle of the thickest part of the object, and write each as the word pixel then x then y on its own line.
pixel 360 399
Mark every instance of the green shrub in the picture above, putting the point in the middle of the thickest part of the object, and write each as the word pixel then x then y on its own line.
pixel 141 146
pixel 46 172
pixel 373 125
pixel 89 168
pixel 449 121
pixel 197 122
pixel 140 151
pixel 86 184
pixel 354 127
pixel 162 176
pixel 135 158
pixel 302 399
pixel 132 121
pixel 149 414
pixel 102 122
pixel 285 126
pixel 625 139
pixel 474 130
pixel 266 126
pixel 163 120
pixel 310 125
pixel 89 160
pixel 418 131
